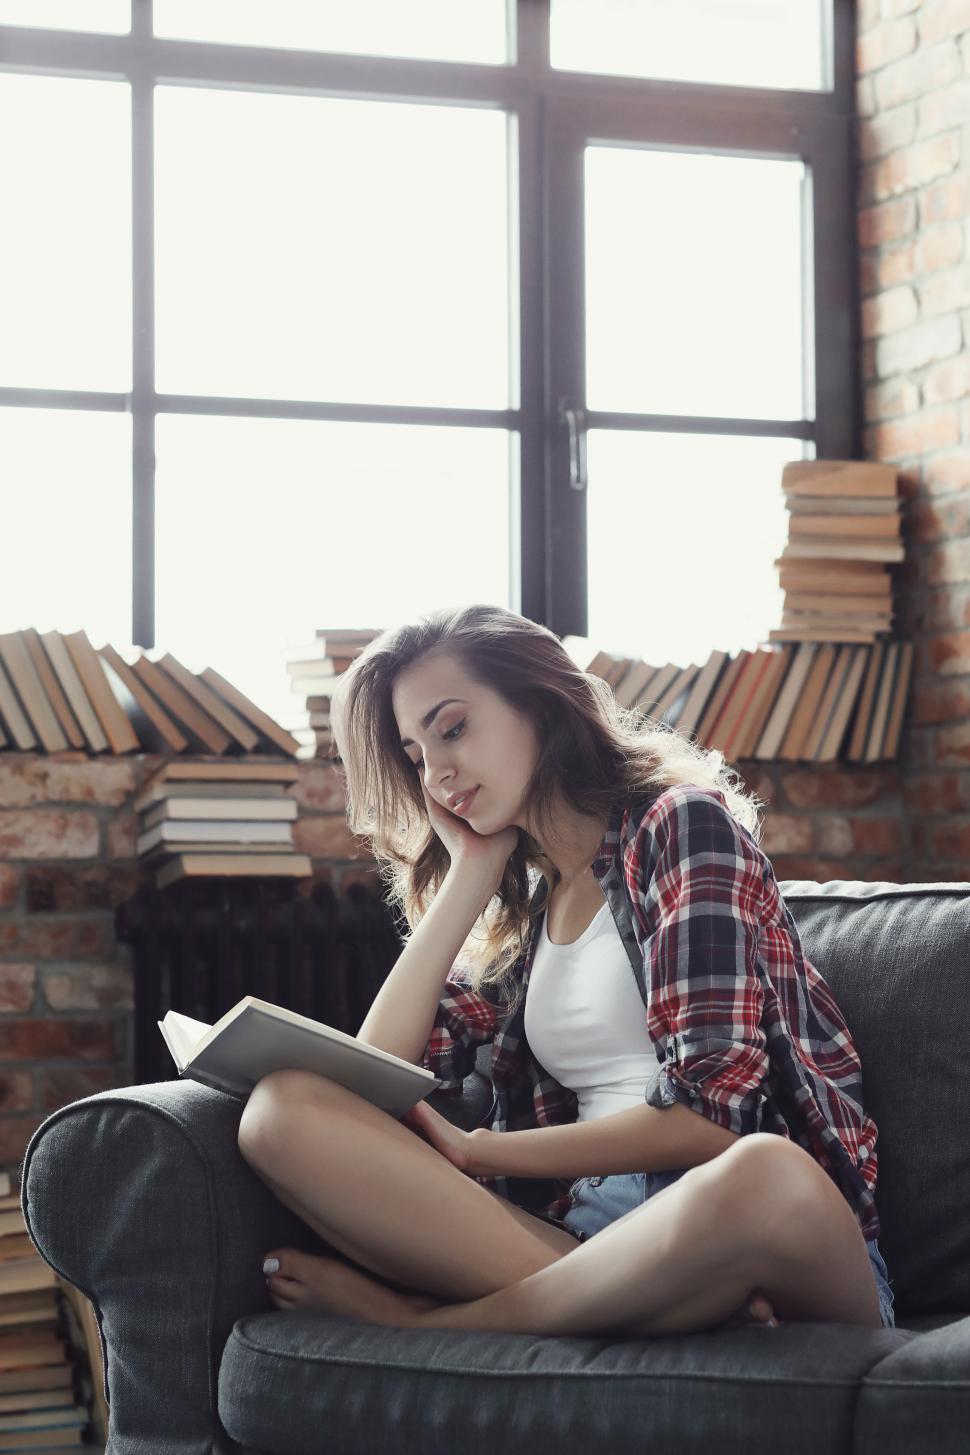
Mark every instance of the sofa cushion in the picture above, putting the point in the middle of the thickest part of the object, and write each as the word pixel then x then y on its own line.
pixel 918 1398
pixel 895 957
pixel 351 1386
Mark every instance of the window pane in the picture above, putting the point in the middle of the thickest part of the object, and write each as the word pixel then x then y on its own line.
pixel 65 245
pixel 693 284
pixel 440 30
pixel 776 43
pixel 107 16
pixel 67 522
pixel 268 529
pixel 315 248
pixel 706 517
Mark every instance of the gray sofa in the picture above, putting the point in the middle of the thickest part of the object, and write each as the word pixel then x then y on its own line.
pixel 140 1197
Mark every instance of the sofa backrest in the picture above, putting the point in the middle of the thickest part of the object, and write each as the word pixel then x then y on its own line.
pixel 897 960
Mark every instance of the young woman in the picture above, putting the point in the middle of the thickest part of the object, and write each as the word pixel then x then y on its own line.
pixel 678 1140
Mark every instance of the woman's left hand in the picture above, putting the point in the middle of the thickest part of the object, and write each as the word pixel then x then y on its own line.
pixel 460 1147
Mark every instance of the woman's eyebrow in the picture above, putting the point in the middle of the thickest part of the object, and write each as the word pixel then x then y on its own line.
pixel 429 717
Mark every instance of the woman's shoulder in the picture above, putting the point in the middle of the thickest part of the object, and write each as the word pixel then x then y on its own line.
pixel 676 800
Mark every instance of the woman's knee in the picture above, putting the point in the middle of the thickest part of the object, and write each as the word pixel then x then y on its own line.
pixel 273 1100
pixel 765 1180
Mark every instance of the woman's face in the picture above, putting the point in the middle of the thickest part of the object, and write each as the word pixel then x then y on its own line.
pixel 478 741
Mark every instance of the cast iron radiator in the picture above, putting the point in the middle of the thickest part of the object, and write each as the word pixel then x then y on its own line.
pixel 199 946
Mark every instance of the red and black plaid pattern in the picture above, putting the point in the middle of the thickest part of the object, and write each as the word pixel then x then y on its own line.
pixel 745 1028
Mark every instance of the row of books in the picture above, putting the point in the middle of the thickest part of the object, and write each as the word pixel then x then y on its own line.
pixel 57 692
pixel 231 820
pixel 843 524
pixel 794 701
pixel 313 669
pixel 51 1376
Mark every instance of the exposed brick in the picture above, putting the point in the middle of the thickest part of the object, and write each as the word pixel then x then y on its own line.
pixel 18 985
pixel 946 382
pixel 9 885
pixel 938 247
pixel 931 871
pixel 886 132
pixel 944 109
pixel 15 1133
pixel 327 836
pixel 788 833
pixel 947 472
pixel 319 787
pixel 43 1040
pixel 948 653
pixel 945 200
pixel 61 1087
pixel 27 779
pixel 840 787
pixel 939 19
pixel 876 836
pixel 953 746
pixel 794 866
pixel 888 312
pixel 883 43
pixel 945 292
pixel 952 840
pixel 896 396
pixel 930 430
pixel 912 348
pixel 925 793
pixel 123 831
pixel 911 167
pixel 66 939
pixel 887 222
pixel 939 701
pixel 949 562
pixel 16 1091
pixel 933 520
pixel 926 70
pixel 79 887
pixel 834 835
pixel 48 834
pixel 89 987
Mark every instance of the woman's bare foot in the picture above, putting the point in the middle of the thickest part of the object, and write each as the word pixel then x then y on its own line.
pixel 305 1280
pixel 757 1310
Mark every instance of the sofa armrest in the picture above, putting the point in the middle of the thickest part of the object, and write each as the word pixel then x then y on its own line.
pixel 141 1198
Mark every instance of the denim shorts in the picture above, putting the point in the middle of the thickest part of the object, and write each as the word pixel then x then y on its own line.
pixel 595 1202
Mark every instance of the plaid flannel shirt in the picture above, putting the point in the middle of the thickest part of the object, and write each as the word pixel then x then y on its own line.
pixel 745 1028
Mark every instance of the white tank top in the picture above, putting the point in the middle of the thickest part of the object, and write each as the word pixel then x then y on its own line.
pixel 585 1020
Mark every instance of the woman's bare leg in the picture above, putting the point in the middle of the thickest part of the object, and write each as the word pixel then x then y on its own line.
pixel 382 1196
pixel 756 1218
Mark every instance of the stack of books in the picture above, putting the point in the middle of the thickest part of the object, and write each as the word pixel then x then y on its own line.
pixel 313 669
pixel 51 1378
pixel 233 820
pixel 804 701
pixel 843 527
pixel 57 693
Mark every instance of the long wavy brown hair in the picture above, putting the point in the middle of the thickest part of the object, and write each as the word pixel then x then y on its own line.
pixel 593 753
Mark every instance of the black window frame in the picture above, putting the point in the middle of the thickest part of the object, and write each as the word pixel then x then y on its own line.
pixel 551 110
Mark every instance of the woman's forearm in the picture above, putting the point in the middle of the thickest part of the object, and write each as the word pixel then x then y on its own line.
pixel 640 1139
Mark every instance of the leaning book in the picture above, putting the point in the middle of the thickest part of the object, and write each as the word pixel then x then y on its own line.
pixel 257 1037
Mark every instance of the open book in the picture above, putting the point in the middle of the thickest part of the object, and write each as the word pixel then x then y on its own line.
pixel 257 1037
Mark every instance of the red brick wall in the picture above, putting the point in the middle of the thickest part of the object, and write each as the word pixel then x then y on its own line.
pixel 913 101
pixel 67 859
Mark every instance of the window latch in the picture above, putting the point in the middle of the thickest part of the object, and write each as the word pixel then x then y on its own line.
pixel 575 422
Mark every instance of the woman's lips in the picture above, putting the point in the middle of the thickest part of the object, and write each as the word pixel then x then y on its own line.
pixel 463 804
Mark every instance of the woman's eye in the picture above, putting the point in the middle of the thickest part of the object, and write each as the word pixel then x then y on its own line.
pixel 419 762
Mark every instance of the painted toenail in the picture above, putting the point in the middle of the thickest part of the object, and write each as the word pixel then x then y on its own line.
pixel 271 1265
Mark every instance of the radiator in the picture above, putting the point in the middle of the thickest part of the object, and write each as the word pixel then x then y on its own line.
pixel 198 947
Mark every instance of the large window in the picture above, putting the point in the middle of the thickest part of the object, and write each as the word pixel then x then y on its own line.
pixel 318 315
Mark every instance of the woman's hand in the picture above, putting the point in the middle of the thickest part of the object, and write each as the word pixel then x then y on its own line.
pixel 457 1145
pixel 488 854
